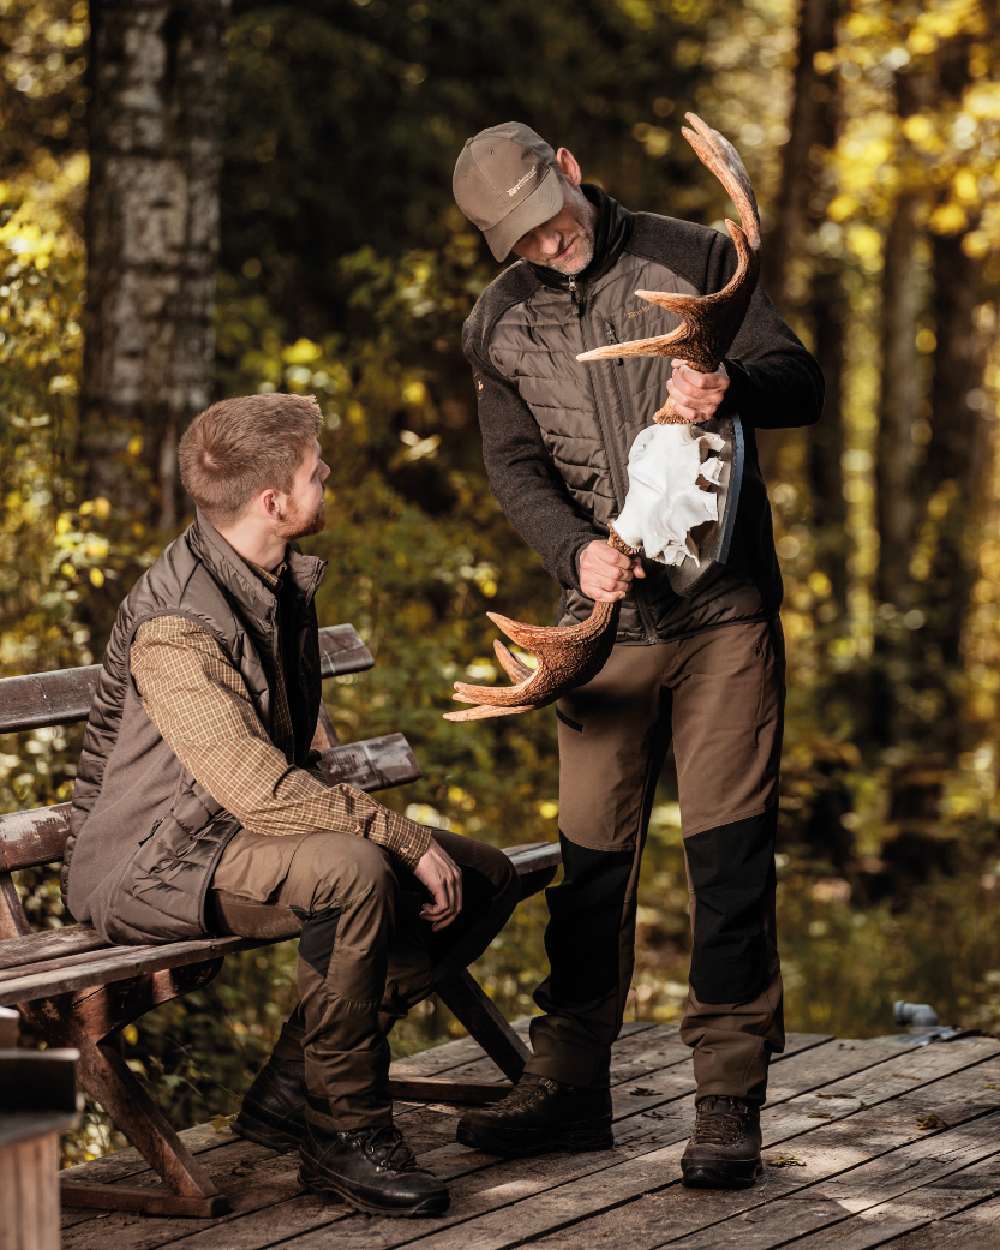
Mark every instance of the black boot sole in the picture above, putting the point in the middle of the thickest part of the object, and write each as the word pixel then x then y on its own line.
pixel 519 1144
pixel 266 1132
pixel 329 1188
pixel 731 1174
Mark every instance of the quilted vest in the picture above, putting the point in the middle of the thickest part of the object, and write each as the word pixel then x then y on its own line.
pixel 145 835
pixel 589 414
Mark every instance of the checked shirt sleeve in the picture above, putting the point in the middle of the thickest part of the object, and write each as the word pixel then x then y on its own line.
pixel 200 704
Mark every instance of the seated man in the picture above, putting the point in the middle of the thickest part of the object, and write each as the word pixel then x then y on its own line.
pixel 194 810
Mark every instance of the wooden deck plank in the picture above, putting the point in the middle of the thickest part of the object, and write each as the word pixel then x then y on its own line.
pixel 791 1166
pixel 973 1228
pixel 523 1200
pixel 924 1181
pixel 459 1057
pixel 425 1127
pixel 502 1203
pixel 468 1172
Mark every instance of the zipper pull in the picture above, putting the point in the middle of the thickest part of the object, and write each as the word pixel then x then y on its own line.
pixel 579 301
pixel 613 338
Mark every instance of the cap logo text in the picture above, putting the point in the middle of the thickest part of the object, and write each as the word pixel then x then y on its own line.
pixel 512 191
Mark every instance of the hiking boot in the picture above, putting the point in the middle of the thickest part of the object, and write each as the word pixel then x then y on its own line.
pixel 724 1152
pixel 539 1115
pixel 273 1110
pixel 371 1169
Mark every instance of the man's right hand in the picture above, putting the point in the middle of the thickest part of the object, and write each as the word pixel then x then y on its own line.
pixel 443 878
pixel 605 574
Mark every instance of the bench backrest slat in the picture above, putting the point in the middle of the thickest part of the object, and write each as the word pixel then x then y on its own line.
pixel 39 836
pixel 62 696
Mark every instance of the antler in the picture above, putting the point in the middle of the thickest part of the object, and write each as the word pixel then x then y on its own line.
pixel 571 656
pixel 566 657
pixel 709 323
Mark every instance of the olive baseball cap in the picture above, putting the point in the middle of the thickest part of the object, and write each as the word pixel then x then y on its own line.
pixel 507 183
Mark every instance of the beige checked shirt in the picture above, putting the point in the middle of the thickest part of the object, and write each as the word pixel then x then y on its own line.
pixel 200 704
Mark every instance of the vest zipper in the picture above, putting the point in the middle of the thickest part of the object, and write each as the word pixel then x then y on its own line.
pixel 613 338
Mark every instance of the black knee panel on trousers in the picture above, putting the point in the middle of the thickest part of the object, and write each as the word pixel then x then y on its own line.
pixel 582 939
pixel 732 874
pixel 319 933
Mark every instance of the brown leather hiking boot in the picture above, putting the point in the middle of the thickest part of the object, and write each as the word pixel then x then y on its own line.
pixel 539 1115
pixel 724 1152
pixel 273 1110
pixel 372 1169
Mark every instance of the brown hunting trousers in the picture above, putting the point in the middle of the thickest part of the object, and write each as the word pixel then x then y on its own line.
pixel 365 956
pixel 718 696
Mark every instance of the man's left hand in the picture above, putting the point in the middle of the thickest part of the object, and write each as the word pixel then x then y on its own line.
pixel 696 396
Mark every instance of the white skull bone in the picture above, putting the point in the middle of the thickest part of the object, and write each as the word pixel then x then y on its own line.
pixel 673 473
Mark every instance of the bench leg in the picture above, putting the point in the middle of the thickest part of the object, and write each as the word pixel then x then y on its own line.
pixel 469 1002
pixel 90 1022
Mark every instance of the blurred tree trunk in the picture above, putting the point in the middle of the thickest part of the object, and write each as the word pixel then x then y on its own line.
pixel 898 412
pixel 803 281
pixel 958 464
pixel 825 316
pixel 155 121
pixel 813 94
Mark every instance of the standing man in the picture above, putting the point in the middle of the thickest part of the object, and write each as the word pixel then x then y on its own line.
pixel 704 672
pixel 197 808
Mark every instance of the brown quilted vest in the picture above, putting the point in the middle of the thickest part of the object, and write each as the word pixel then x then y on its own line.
pixel 145 836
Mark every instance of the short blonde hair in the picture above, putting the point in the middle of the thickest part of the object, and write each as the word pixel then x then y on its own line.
pixel 239 447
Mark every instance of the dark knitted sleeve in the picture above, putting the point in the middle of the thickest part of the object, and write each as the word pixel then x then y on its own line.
pixel 775 383
pixel 521 474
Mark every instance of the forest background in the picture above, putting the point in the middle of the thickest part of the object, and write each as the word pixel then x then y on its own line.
pixel 208 198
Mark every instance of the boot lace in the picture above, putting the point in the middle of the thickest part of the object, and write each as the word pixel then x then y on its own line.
pixel 527 1093
pixel 720 1121
pixel 386 1149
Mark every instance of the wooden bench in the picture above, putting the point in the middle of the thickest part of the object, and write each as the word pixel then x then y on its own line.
pixel 79 991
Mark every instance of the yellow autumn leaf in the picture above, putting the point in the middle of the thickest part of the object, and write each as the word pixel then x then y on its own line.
pixel 918 129
pixel 947 219
pixel 925 341
pixel 864 241
pixel 301 352
pixel 841 207
pixel 976 244
pixel 966 186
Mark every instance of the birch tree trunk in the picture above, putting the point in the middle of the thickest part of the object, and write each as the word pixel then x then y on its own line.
pixel 155 121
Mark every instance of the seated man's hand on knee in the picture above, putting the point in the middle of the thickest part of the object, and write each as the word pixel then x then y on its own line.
pixel 441 875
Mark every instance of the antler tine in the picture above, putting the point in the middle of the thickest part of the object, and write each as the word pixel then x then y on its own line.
pixel 717 154
pixel 566 657
pixel 708 322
